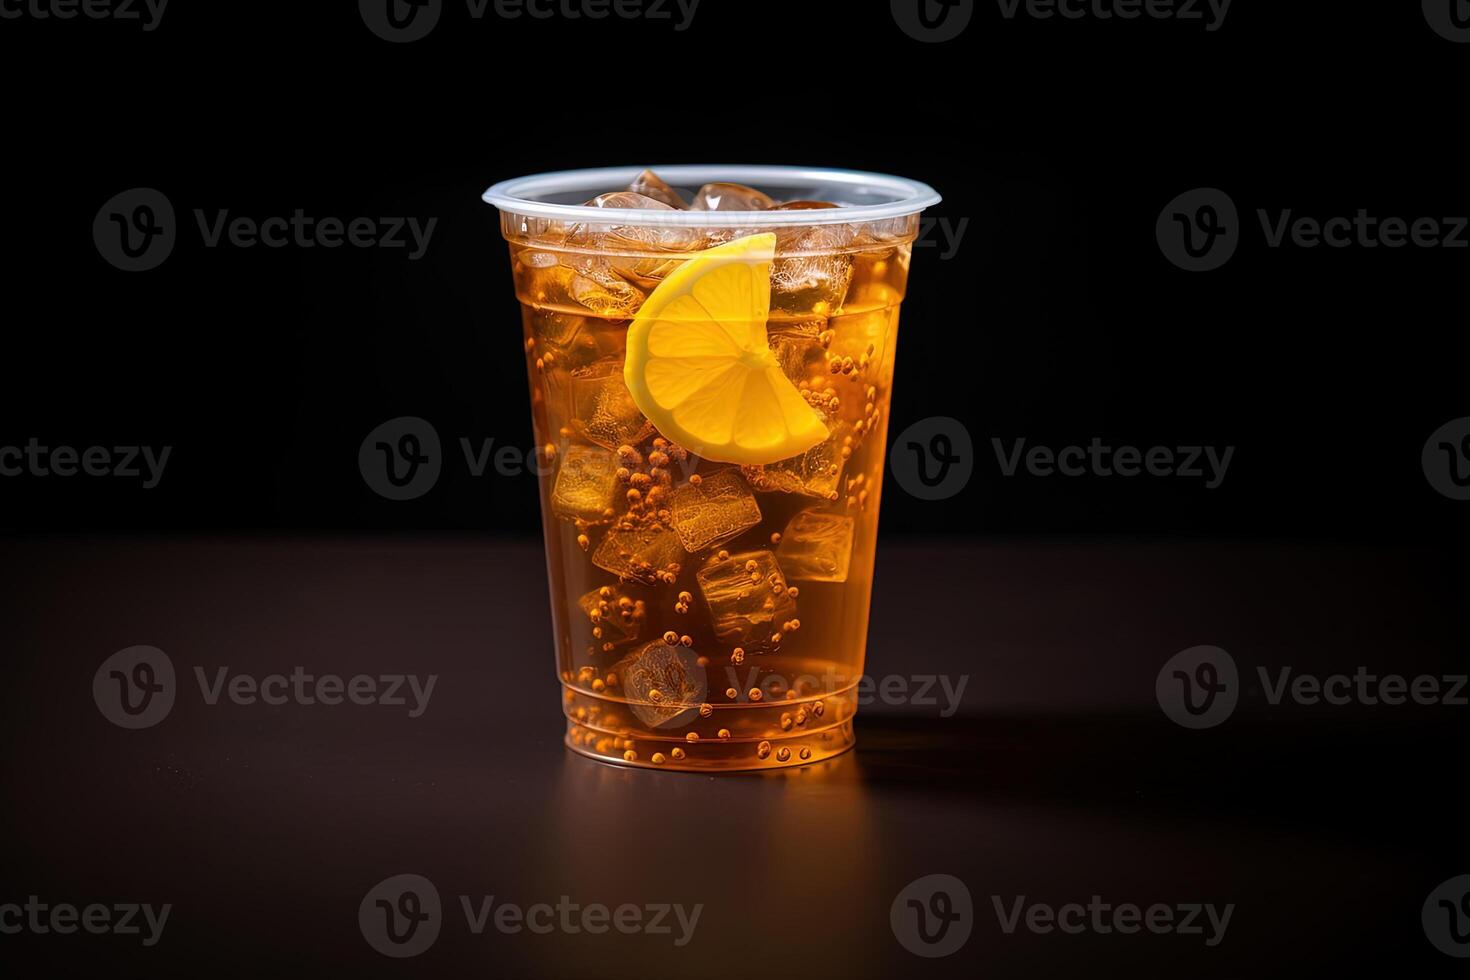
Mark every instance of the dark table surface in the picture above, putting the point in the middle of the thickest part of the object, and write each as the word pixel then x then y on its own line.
pixel 1058 778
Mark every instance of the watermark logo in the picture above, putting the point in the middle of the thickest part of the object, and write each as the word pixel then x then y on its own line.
pixel 933 21
pixel 1446 917
pixel 1199 687
pixel 1446 459
pixel 401 459
pixel 1199 230
pixel 932 916
pixel 934 458
pixel 136 230
pixel 1450 19
pixel 401 21
pixel 134 688
pixel 401 916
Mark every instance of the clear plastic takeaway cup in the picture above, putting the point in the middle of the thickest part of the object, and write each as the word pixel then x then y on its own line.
pixel 708 614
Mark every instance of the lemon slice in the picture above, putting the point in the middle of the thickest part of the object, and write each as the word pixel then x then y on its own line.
pixel 700 368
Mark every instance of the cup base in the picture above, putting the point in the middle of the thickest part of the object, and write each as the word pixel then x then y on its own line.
pixel 711 755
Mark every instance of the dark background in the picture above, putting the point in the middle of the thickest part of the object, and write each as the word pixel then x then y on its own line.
pixel 1058 320
pixel 1059 141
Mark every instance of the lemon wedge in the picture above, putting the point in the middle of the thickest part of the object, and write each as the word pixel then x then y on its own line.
pixel 700 367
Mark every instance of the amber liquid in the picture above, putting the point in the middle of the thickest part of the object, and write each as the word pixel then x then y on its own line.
pixel 677 651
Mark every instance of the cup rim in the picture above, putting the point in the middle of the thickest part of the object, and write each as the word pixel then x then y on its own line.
pixel 904 197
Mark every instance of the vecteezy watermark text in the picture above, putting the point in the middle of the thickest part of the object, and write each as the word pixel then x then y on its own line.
pixel 38 460
pixel 402 459
pixel 1211 13
pixel 403 21
pixel 1097 459
pixel 1200 688
pixel 304 231
pixel 137 230
pixel 942 233
pixel 148 13
pixel 136 688
pixel 63 918
pixel 933 916
pixel 300 687
pixel 402 916
pixel 1103 918
pixel 941 691
pixel 1200 230
pixel 567 916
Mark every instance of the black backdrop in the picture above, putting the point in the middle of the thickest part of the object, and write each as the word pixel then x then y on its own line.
pixel 1057 143
pixel 1057 318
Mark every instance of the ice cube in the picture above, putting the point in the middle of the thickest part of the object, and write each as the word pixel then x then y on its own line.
pixel 565 342
pixel 648 234
pixel 596 286
pixel 801 357
pixel 664 684
pixel 628 199
pixel 650 184
pixel 616 617
pixel 557 331
pixel 805 206
pixel 586 487
pixel 731 197
pixel 746 597
pixel 591 286
pixel 715 510
pixel 610 238
pixel 817 547
pixel 813 269
pixel 603 411
pixel 815 473
pixel 640 554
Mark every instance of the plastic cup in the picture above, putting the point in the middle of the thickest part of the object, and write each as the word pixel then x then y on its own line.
pixel 707 615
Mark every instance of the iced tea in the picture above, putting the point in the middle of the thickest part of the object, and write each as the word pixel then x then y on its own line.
pixel 708 614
